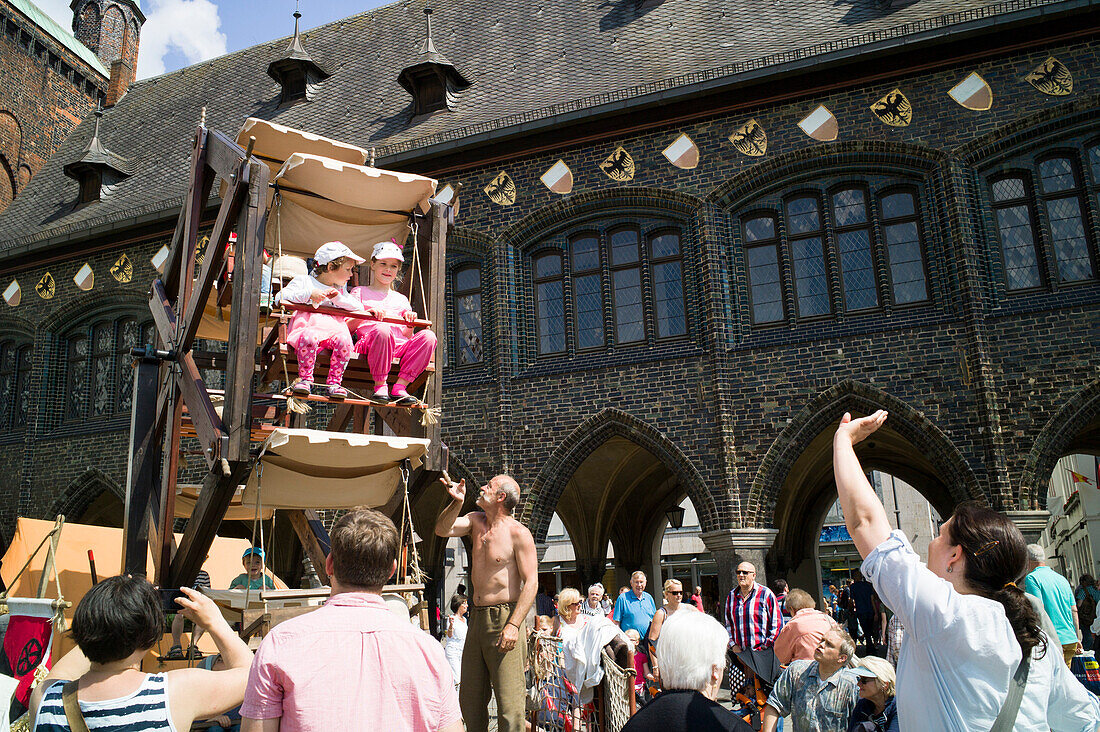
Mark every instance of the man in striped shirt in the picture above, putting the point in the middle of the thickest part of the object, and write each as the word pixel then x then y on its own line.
pixel 752 614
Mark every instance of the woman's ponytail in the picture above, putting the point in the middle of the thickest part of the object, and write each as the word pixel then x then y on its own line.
pixel 996 556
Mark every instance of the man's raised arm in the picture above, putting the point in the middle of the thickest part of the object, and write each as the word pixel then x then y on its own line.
pixel 449 522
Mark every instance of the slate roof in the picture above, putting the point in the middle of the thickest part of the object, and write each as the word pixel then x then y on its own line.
pixel 521 56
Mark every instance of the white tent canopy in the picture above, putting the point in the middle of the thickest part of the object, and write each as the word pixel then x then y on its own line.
pixel 302 468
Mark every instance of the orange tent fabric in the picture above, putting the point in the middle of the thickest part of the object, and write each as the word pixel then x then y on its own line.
pixel 223 564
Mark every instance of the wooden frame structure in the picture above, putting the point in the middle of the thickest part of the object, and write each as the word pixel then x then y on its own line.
pixel 168 379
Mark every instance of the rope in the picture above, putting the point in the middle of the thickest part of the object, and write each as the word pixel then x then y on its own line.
pixel 256 521
pixel 31 558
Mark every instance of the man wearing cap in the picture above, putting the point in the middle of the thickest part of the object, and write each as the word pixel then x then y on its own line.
pixel 382 342
pixel 253 577
pixel 310 332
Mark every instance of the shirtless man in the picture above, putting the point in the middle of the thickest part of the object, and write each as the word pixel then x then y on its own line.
pixel 503 573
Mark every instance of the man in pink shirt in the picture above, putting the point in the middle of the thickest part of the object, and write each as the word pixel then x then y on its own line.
pixel 804 631
pixel 353 663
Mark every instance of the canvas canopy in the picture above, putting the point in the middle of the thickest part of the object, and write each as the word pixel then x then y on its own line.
pixel 187 495
pixel 302 468
pixel 322 199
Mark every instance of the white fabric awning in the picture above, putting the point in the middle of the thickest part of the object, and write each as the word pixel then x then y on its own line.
pixel 275 143
pixel 187 495
pixel 324 199
pixel 319 469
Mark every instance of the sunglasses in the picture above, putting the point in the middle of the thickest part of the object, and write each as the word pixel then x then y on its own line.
pixel 674 592
pixel 864 680
pixel 743 571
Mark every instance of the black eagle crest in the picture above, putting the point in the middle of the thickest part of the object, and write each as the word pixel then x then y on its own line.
pixel 123 269
pixel 1051 77
pixel 619 165
pixel 501 190
pixel 894 109
pixel 46 287
pixel 200 249
pixel 750 139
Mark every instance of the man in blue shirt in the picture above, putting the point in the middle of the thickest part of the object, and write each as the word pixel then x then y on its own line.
pixel 1057 598
pixel 635 609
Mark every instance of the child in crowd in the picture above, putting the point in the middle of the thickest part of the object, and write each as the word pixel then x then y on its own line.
pixel 310 332
pixel 253 577
pixel 382 342
pixel 642 674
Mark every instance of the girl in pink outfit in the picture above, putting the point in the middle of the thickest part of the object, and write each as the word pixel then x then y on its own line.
pixel 382 342
pixel 310 332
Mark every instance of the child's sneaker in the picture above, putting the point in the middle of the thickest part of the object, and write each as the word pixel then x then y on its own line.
pixel 301 388
pixel 335 391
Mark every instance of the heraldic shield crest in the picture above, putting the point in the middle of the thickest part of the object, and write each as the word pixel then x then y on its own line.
pixel 123 269
pixel 46 287
pixel 750 139
pixel 894 109
pixel 1052 78
pixel 618 166
pixel 501 190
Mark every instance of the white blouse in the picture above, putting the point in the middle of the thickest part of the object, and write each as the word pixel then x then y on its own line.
pixel 959 653
pixel 299 290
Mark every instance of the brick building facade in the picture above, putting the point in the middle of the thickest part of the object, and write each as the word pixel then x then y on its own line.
pixel 670 326
pixel 53 79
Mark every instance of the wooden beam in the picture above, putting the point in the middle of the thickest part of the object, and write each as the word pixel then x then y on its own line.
pixel 245 314
pixel 202 181
pixel 313 548
pixel 340 417
pixel 164 317
pixel 212 264
pixel 143 472
pixel 208 425
pixel 225 156
pixel 214 497
pixel 434 279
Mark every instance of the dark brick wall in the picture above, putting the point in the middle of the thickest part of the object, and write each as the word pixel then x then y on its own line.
pixel 47 90
pixel 974 377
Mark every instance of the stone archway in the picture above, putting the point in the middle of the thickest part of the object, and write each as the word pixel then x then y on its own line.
pixel 611 480
pixel 93 498
pixel 1075 428
pixel 794 488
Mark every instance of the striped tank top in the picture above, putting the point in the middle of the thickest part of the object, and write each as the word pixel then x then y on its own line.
pixel 145 709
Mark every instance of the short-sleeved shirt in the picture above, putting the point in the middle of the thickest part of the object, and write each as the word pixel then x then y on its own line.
pixel 633 612
pixel 960 652
pixel 241 582
pixel 814 704
pixel 352 662
pixel 801 635
pixel 1057 597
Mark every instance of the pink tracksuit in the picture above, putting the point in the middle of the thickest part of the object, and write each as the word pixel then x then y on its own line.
pixel 308 333
pixel 382 342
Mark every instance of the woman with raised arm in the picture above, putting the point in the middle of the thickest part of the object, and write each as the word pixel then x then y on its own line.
pixel 967 624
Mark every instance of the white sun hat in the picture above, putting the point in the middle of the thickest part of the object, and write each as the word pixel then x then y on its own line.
pixel 334 250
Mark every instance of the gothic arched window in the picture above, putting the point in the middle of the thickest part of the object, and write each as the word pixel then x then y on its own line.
pixel 550 302
pixel 467 302
pixel 15 385
pixel 99 371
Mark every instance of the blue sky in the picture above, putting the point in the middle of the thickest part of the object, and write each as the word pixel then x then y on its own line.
pixel 179 33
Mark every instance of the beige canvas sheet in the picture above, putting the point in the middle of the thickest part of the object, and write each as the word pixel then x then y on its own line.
pixel 188 495
pixel 319 469
pixel 275 143
pixel 223 563
pixel 323 199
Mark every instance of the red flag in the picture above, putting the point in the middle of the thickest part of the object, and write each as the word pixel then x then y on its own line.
pixel 26 644
pixel 1078 478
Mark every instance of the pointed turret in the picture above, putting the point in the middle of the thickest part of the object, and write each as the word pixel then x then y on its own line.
pixel 97 168
pixel 296 71
pixel 433 79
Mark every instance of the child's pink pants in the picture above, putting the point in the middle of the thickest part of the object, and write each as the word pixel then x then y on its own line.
pixel 340 347
pixel 381 344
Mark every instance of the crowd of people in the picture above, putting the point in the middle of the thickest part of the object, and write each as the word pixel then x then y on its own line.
pixel 967 640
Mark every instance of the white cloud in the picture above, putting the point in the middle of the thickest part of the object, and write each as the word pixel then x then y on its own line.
pixel 190 27
pixel 58 10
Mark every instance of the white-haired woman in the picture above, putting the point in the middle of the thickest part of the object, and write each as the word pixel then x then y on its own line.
pixel 693 660
pixel 876 710
pixel 594 604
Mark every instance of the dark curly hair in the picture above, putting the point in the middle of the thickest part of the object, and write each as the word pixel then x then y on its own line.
pixel 996 557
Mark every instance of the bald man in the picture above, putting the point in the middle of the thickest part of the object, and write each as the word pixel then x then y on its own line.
pixel 504 575
pixel 752 614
